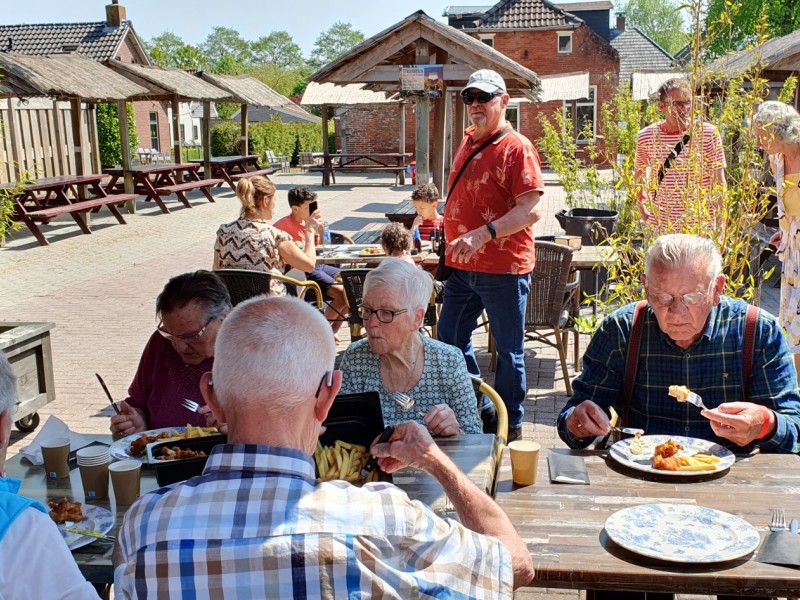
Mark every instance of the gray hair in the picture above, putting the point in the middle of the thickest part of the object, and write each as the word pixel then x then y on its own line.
pixel 414 286
pixel 780 120
pixel 271 352
pixel 681 249
pixel 676 83
pixel 8 385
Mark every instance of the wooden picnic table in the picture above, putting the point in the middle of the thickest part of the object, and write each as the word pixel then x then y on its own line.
pixel 76 195
pixel 405 213
pixel 154 181
pixel 350 254
pixel 474 453
pixel 563 524
pixel 363 162
pixel 233 168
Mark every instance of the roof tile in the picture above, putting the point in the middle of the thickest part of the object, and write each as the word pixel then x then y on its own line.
pixel 526 14
pixel 94 40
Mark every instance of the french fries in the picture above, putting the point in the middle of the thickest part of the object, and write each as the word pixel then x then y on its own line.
pixel 196 432
pixel 698 462
pixel 341 461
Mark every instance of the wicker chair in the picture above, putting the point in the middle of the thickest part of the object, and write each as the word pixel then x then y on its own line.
pixel 353 282
pixel 553 302
pixel 243 284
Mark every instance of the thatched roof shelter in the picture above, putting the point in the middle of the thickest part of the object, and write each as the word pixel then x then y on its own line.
pixel 317 94
pixel 246 88
pixel 166 84
pixel 63 76
pixel 420 40
pixel 777 54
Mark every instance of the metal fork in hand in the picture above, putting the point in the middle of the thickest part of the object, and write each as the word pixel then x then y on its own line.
pixel 778 522
pixel 190 405
pixel 404 401
pixel 693 398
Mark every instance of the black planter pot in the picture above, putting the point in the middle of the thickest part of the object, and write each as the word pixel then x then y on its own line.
pixel 593 225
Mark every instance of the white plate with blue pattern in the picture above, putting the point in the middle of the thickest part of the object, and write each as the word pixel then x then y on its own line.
pixel 621 452
pixel 95 518
pixel 682 533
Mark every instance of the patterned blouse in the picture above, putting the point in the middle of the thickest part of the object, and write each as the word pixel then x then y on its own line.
pixel 252 244
pixel 444 380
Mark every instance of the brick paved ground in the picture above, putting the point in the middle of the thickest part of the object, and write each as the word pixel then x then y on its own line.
pixel 100 291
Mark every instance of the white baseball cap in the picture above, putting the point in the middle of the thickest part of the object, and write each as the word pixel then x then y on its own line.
pixel 486 80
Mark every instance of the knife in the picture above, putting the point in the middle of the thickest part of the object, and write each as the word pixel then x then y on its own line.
pixel 373 460
pixel 94 534
pixel 793 526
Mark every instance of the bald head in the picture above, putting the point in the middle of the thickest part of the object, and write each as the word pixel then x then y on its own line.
pixel 271 354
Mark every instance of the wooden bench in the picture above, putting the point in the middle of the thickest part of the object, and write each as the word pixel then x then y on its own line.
pixel 249 174
pixel 45 215
pixel 349 168
pixel 179 188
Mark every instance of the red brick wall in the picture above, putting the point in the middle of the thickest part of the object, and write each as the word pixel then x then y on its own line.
pixel 375 128
pixel 129 53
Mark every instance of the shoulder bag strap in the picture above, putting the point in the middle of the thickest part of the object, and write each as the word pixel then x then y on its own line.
pixel 632 359
pixel 496 137
pixel 748 349
pixel 673 154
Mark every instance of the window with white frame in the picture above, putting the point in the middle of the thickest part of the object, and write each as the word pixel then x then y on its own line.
pixel 512 115
pixel 583 113
pixel 565 42
pixel 487 38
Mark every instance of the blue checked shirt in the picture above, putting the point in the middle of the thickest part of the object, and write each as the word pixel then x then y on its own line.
pixel 257 524
pixel 712 367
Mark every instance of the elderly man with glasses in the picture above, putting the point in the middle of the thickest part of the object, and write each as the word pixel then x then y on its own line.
pixel 494 187
pixel 190 310
pixel 688 334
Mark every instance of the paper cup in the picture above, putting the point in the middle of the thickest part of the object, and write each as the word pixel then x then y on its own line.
pixel 126 477
pixel 55 453
pixel 93 463
pixel 524 461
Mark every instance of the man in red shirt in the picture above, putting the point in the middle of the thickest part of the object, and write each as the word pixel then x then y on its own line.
pixel 488 222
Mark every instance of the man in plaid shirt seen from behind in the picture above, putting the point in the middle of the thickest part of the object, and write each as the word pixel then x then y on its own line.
pixel 258 524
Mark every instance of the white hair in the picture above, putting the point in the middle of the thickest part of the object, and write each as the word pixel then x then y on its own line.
pixel 273 352
pixel 8 385
pixel 413 286
pixel 780 120
pixel 680 250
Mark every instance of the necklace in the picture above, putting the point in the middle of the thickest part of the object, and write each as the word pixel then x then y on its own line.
pixel 410 377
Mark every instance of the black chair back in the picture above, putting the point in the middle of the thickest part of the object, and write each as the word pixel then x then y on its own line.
pixel 243 283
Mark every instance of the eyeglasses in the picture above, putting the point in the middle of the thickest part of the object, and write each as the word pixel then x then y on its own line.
pixel 482 97
pixel 680 103
pixel 690 300
pixel 189 337
pixel 384 314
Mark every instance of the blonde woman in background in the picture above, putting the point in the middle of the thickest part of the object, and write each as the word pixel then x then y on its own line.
pixel 250 242
pixel 777 129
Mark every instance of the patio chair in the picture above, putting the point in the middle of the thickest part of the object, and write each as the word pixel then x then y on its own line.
pixel 306 160
pixel 277 162
pixel 553 302
pixel 243 284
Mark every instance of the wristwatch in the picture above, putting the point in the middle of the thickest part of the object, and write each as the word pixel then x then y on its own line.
pixel 492 230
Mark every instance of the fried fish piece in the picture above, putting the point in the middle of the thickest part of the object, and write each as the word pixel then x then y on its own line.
pixel 665 456
pixel 64 510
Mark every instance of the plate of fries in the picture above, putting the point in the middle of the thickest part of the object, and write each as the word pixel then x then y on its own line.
pixel 695 458
pixel 342 461
pixel 125 448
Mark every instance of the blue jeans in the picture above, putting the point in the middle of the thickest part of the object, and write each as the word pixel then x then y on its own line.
pixel 466 295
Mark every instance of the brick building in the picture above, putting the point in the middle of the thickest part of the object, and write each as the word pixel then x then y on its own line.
pixel 113 38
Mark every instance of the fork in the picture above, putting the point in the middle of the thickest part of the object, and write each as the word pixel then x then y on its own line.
pixel 778 522
pixel 404 401
pixel 190 405
pixel 695 399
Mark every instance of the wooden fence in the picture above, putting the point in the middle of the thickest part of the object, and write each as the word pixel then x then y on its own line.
pixel 42 139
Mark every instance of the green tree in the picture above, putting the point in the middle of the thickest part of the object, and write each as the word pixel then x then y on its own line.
pixel 277 49
pixel 334 42
pixel 661 20
pixel 226 50
pixel 108 133
pixel 189 57
pixel 733 24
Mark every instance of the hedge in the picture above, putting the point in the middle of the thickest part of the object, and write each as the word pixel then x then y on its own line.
pixel 270 135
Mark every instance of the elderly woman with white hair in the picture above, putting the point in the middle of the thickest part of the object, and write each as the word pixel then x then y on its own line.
pixel 777 129
pixel 396 358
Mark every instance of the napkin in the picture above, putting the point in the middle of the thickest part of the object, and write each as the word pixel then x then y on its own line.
pixel 781 548
pixel 53 428
pixel 565 468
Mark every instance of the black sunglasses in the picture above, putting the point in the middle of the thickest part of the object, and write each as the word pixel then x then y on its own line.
pixel 482 97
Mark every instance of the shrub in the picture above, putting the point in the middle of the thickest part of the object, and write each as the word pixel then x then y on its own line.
pixel 269 135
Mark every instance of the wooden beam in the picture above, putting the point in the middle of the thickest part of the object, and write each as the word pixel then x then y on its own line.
pixel 91 118
pixel 326 176
pixel 244 129
pixel 352 70
pixel 12 130
pixel 206 139
pixel 439 128
pixel 77 135
pixel 59 135
pixel 125 142
pixel 422 116
pixel 402 149
pixel 176 129
pixel 391 73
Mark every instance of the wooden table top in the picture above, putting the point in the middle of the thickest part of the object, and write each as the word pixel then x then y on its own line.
pixel 473 453
pixel 589 257
pixel 226 159
pixel 44 183
pixel 563 525
pixel 342 254
pixel 162 168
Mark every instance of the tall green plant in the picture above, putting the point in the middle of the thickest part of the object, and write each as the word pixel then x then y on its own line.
pixel 108 133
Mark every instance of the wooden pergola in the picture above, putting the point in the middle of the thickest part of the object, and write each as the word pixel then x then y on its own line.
pixel 421 40
pixel 62 77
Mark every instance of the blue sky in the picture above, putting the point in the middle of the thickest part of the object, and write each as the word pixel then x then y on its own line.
pixel 192 20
